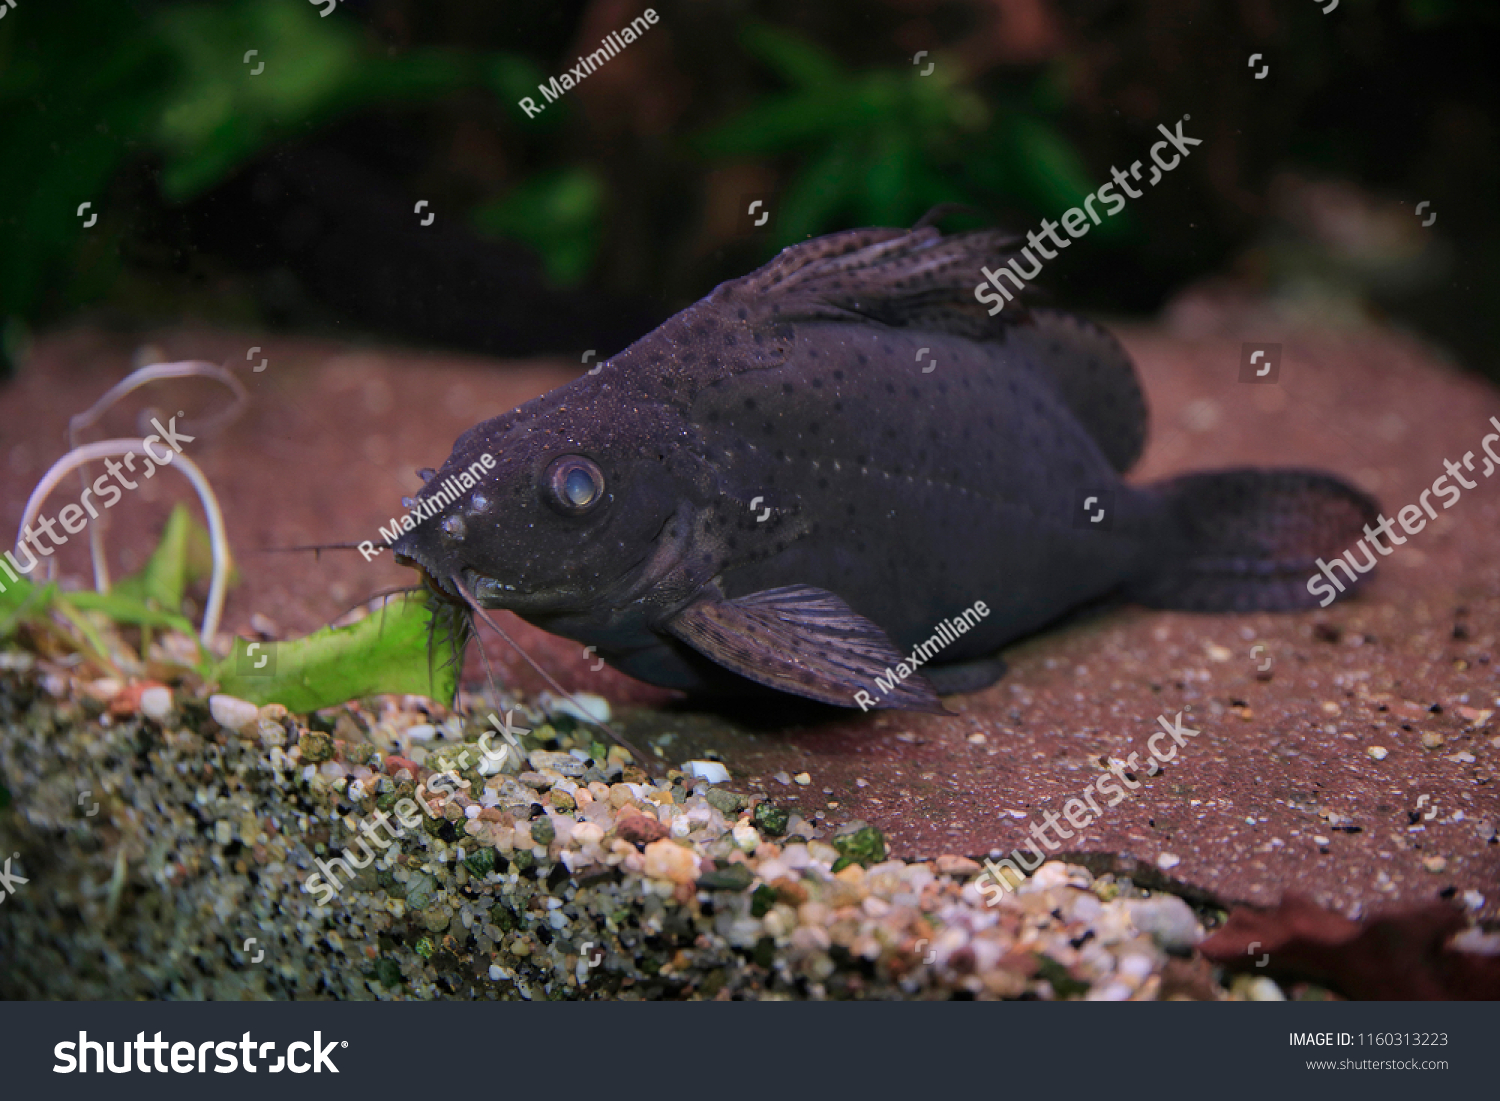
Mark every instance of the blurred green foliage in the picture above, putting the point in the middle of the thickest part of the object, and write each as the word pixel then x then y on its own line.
pixel 559 213
pixel 216 116
pixel 81 94
pixel 136 106
pixel 178 90
pixel 884 146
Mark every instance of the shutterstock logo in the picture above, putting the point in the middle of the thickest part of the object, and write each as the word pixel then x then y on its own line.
pixel 9 880
pixel 187 1058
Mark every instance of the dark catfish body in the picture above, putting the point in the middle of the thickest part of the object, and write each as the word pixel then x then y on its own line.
pixel 814 477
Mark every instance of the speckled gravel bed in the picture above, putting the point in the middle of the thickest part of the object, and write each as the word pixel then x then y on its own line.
pixel 168 841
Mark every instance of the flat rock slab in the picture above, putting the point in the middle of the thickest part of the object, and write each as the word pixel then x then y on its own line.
pixel 1351 753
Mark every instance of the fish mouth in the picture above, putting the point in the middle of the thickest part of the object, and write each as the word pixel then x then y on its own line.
pixel 436 584
pixel 486 591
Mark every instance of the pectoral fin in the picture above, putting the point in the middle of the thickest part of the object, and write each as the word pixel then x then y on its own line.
pixel 805 641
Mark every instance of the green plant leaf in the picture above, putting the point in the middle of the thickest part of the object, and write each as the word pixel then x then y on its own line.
pixel 1053 172
pixel 796 60
pixel 386 652
pixel 221 112
pixel 162 582
pixel 884 146
pixel 558 214
pixel 827 184
pixel 784 122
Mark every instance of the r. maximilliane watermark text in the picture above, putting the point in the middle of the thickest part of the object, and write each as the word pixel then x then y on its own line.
pixel 948 631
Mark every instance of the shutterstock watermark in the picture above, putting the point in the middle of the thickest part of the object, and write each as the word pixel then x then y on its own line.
pixel 73 518
pixel 1077 222
pixel 1412 521
pixel 192 1057
pixel 948 632
pixel 441 786
pixel 1081 811
pixel 10 880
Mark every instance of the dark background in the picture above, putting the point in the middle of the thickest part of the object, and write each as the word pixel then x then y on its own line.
pixel 285 199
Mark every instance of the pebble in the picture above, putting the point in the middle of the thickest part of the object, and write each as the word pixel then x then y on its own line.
pixel 669 860
pixel 156 702
pixel 1168 860
pixel 957 866
pixel 1263 989
pixel 564 764
pixel 233 713
pixel 1377 752
pixel 104 689
pixel 638 828
pixel 1135 968
pixel 1168 920
pixel 587 833
pixel 802 778
pixel 583 706
pixel 712 771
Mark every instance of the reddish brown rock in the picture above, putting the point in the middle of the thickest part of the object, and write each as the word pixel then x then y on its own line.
pixel 638 828
pixel 394 764
pixel 1400 955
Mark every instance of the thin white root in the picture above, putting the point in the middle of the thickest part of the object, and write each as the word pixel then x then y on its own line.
pixel 107 449
pixel 186 368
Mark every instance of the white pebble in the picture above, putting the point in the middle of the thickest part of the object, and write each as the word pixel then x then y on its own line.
pixel 712 771
pixel 421 732
pixel 1262 989
pixel 802 778
pixel 472 810
pixel 233 713
pixel 1168 860
pixel 1134 968
pixel 1377 752
pixel 746 837
pixel 156 702
pixel 584 706
pixel 587 833
pixel 495 973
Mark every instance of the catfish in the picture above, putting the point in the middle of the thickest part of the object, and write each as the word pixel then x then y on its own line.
pixel 811 479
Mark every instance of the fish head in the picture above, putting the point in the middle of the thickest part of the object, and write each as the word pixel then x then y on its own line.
pixel 552 508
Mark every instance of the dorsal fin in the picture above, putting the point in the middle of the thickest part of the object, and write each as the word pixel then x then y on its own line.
pixel 903 278
pixel 1093 375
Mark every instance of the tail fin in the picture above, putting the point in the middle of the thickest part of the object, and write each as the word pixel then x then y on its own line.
pixel 1252 540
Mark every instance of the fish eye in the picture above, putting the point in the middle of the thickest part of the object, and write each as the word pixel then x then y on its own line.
pixel 575 485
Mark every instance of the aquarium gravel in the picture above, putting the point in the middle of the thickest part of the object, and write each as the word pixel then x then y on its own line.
pixel 167 841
